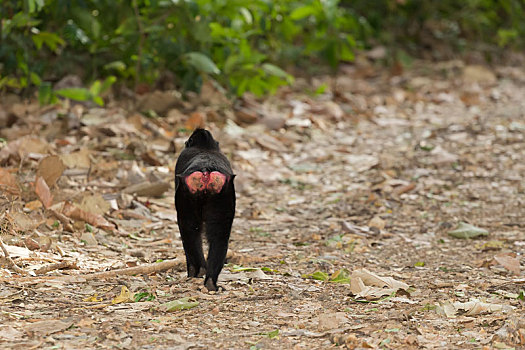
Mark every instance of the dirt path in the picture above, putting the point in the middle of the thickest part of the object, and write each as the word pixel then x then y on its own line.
pixel 373 177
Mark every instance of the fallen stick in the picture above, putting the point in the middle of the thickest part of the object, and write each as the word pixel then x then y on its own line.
pixel 56 266
pixel 137 270
pixel 66 222
pixel 10 261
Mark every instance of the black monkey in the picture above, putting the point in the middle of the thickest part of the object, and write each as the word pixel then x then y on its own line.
pixel 205 201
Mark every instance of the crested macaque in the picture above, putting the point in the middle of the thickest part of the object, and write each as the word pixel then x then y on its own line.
pixel 205 202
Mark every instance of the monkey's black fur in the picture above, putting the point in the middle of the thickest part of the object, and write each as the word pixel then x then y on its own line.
pixel 203 211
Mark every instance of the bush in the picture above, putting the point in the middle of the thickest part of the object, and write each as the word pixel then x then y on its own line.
pixel 463 25
pixel 240 43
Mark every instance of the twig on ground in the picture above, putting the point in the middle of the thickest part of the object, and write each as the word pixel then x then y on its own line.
pixel 137 270
pixel 10 261
pixel 56 266
pixel 66 222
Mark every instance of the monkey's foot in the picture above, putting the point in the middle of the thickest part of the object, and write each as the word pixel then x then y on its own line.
pixel 212 287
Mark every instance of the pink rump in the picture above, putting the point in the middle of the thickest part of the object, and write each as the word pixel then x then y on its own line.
pixel 205 181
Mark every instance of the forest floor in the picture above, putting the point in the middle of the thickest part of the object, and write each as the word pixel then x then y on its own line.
pixel 348 234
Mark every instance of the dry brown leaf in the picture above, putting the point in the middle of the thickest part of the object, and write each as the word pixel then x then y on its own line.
pixel 159 101
pixel 80 159
pixel 245 115
pixel 95 204
pixel 331 320
pixel 361 162
pixel 211 94
pixel 43 193
pixel 478 74
pixel 15 251
pixel 8 183
pixel 377 222
pixel 196 120
pixel 89 238
pixel 50 168
pixel 441 156
pixel 151 158
pixel 365 284
pixel 33 145
pixel 273 121
pixel 93 219
pixel 125 296
pixel 33 205
pixel 471 308
pixel 403 189
pixel 9 333
pixel 270 142
pixel 509 261
pixel 46 327
pixel 22 222
pixel 147 188
pixel 31 244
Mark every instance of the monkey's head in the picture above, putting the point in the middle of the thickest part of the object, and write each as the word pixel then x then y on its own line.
pixel 202 138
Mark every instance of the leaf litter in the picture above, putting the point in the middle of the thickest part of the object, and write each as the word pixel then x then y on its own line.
pixel 349 208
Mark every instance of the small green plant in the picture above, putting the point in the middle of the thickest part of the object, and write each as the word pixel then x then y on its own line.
pixel 82 94
pixel 143 296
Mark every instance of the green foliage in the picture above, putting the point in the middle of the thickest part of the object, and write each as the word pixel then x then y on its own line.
pixel 413 24
pixel 242 44
pixel 179 304
pixel 143 296
pixel 340 276
pixel 46 95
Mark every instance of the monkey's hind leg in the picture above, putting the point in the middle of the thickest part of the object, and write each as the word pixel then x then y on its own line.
pixel 217 234
pixel 190 228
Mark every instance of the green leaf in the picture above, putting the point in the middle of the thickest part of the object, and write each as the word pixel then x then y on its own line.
pixel 257 86
pixel 95 87
pixel 180 304
pixel 95 28
pixel 302 12
pixel 392 330
pixel 143 296
pixel 46 94
pixel 248 18
pixel 230 64
pixel 268 269
pixel 321 89
pixel 107 83
pixel 118 66
pixel 237 268
pixel 23 82
pixel 201 62
pixel 10 82
pixel 34 5
pixel 346 53
pixel 273 334
pixel 341 276
pixel 51 40
pixel 466 231
pixel 318 275
pixel 274 70
pixel 77 94
pixel 98 100
pixel 35 79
